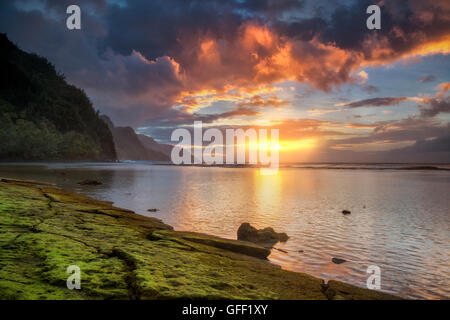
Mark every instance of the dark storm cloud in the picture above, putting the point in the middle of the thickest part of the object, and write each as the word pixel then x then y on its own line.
pixel 59 7
pixel 137 60
pixel 45 34
pixel 433 107
pixel 269 6
pixel 159 28
pixel 375 102
pixel 439 144
pixel 154 28
pixel 427 78
pixel 405 26
pixel 395 131
pixel 173 28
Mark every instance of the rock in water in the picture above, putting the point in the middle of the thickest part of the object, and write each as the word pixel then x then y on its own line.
pixel 338 260
pixel 266 237
pixel 345 212
pixel 88 182
pixel 152 210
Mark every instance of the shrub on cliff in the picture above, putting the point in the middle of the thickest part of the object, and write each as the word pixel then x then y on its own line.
pixel 42 117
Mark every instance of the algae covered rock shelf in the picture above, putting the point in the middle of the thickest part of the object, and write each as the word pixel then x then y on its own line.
pixel 122 255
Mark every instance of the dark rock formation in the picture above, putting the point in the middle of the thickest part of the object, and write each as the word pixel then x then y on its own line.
pixel 151 144
pixel 338 260
pixel 88 182
pixel 345 212
pixel 129 146
pixel 266 237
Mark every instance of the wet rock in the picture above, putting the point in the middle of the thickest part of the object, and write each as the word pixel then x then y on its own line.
pixel 242 247
pixel 345 212
pixel 152 210
pixel 88 182
pixel 266 237
pixel 338 260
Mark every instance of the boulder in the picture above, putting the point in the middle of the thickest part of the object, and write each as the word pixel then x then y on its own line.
pixel 266 237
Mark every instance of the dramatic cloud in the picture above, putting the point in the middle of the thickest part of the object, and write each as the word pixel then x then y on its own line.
pixel 440 144
pixel 397 131
pixel 258 101
pixel 443 88
pixel 374 102
pixel 440 103
pixel 165 63
pixel 435 106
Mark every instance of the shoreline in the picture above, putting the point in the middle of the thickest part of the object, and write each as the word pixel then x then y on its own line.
pixel 123 255
pixel 307 166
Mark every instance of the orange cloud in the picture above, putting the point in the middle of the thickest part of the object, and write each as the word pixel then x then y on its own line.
pixel 443 88
pixel 258 56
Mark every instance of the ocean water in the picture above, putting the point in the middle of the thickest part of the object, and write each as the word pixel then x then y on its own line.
pixel 400 219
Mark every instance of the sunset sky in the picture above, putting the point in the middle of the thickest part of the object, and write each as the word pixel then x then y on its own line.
pixel 335 90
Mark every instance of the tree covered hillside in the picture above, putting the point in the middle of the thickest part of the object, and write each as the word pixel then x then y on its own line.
pixel 42 117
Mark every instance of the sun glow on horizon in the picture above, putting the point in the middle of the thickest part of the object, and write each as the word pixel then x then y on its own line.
pixel 286 146
pixel 303 144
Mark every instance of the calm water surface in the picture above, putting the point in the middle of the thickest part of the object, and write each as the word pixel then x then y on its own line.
pixel 400 220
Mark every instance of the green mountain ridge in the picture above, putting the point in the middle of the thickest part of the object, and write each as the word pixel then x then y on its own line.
pixel 42 117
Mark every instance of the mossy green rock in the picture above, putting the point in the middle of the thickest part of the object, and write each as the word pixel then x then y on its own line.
pixel 123 255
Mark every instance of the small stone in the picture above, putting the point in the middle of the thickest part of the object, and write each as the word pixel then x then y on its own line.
pixel 345 212
pixel 88 182
pixel 338 260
